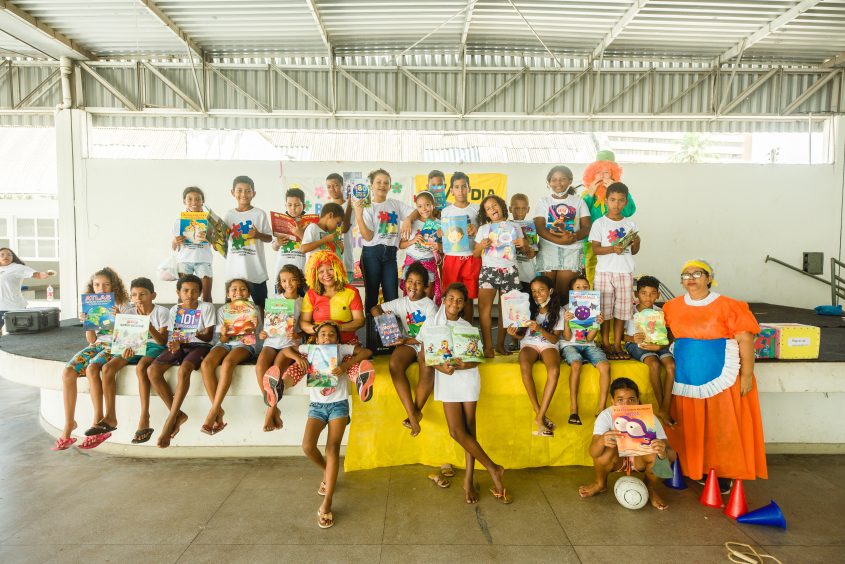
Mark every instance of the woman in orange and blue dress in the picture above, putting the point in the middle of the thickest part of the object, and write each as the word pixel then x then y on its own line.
pixel 715 401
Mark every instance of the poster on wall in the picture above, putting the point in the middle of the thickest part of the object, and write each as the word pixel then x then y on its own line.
pixel 481 185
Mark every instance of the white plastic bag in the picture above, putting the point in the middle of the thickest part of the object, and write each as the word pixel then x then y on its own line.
pixel 167 270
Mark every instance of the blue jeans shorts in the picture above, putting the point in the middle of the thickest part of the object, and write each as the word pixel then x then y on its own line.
pixel 325 412
pixel 586 353
pixel 639 354
pixel 201 269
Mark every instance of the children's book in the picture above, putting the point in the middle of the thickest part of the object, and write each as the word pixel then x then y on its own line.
pixel 627 240
pixel 322 359
pixel 637 428
pixel 438 344
pixel 240 318
pixel 561 218
pixel 455 236
pixel 185 325
pixel 283 224
pixel 388 329
pixel 361 193
pixel 467 343
pixel 652 323
pixel 586 306
pixel 529 232
pixel 98 312
pixel 193 226
pixel 130 332
pixel 218 234
pixel 350 179
pixel 502 236
pixel 439 193
pixel 279 317
pixel 516 309
pixel 429 234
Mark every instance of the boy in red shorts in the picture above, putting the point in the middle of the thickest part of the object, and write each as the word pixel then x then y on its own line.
pixel 462 266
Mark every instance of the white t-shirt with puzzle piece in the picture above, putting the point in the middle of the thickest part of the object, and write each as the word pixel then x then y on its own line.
pixel 245 258
pixel 384 219
pixel 608 232
pixel 415 251
pixel 411 314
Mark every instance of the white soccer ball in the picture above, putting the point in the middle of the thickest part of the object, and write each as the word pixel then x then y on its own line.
pixel 630 492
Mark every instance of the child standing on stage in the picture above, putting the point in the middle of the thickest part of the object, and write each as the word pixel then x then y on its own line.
pixel 193 258
pixel 539 342
pixel 458 384
pixel 562 220
pixel 424 248
pixel 323 234
pixel 413 311
pixel 289 248
pixel 329 406
pixel 272 361
pixel 498 270
pixel 464 266
pixel 12 272
pixel 248 229
pixel 334 186
pixel 615 269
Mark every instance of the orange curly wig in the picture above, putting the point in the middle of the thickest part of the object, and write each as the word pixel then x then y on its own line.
pixel 318 259
pixel 592 171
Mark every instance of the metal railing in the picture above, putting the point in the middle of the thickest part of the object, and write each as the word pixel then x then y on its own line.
pixel 836 282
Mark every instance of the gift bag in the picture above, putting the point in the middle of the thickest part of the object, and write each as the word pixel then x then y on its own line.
pixel 167 270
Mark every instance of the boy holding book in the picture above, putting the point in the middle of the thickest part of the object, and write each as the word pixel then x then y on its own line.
pixel 334 186
pixel 193 257
pixel 289 248
pixel 324 233
pixel 248 229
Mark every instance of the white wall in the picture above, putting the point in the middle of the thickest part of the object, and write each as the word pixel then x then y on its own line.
pixel 733 215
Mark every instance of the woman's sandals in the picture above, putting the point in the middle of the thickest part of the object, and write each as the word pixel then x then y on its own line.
pixel 439 480
pixel 502 496
pixel 325 520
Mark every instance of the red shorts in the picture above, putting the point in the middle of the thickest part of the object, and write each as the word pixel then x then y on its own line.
pixel 461 269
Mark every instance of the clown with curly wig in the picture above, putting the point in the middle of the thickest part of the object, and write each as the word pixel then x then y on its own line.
pixel 330 298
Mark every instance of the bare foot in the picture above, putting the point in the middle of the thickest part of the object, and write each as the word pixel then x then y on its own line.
pixel 592 489
pixel 414 422
pixel 180 419
pixel 68 430
pixel 220 413
pixel 503 351
pixel 277 419
pixel 163 440
pixel 489 353
pixel 656 501
pixel 470 494
pixel 269 420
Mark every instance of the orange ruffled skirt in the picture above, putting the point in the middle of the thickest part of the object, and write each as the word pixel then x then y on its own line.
pixel 723 432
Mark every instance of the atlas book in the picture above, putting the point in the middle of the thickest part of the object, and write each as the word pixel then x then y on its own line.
pixel 467 343
pixel 455 236
pixel 279 317
pixel 516 309
pixel 130 332
pixel 185 325
pixel 429 232
pixel 98 312
pixel 637 429
pixel 218 234
pixel 502 235
pixel 652 324
pixel 388 329
pixel 193 226
pixel 240 318
pixel 322 359
pixel 586 307
pixel 437 343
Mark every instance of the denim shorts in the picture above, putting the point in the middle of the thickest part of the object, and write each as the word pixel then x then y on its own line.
pixel 639 354
pixel 232 345
pixel 201 269
pixel 586 353
pixel 325 412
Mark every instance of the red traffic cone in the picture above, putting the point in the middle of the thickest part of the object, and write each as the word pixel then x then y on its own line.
pixel 711 496
pixel 736 503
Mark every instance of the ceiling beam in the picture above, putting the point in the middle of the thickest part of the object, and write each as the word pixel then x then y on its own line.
pixel 765 31
pixel 321 27
pixel 834 61
pixel 157 13
pixel 467 21
pixel 57 38
pixel 618 28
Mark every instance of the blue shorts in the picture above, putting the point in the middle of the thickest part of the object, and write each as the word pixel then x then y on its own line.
pixel 201 269
pixel 153 350
pixel 325 412
pixel 230 347
pixel 639 354
pixel 586 353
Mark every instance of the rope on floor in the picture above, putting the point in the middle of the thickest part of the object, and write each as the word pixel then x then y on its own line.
pixel 747 556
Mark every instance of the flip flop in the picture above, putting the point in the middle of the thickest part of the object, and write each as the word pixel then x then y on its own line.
pixel 63 444
pixel 543 432
pixel 502 497
pixel 574 419
pixel 447 470
pixel 365 379
pixel 99 429
pixel 325 520
pixel 322 489
pixel 94 441
pixel 439 480
pixel 142 436
pixel 269 383
pixel 549 423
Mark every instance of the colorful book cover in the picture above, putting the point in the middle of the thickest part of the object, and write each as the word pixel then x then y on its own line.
pixel 586 307
pixel 637 429
pixel 652 323
pixel 185 325
pixel 322 359
pixel 627 240
pixel 561 218
pixel 388 329
pixel 502 236
pixel 279 317
pixel 516 309
pixel 218 234
pixel 98 312
pixel 439 193
pixel 130 332
pixel 437 342
pixel 455 236
pixel 766 342
pixel 193 226
pixel 361 193
pixel 529 232
pixel 240 318
pixel 467 343
pixel 429 232
pixel 283 224
pixel 350 179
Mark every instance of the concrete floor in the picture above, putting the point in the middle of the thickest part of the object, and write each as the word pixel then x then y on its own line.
pixel 78 506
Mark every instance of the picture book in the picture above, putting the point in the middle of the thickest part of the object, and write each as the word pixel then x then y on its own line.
pixel 185 325
pixel 529 232
pixel 516 309
pixel 429 232
pixel 628 239
pixel 193 226
pixel 439 193
pixel 130 332
pixel 240 318
pixel 502 236
pixel 98 312
pixel 350 179
pixel 322 359
pixel 561 218
pixel 652 323
pixel 283 224
pixel 455 236
pixel 279 316
pixel 467 343
pixel 636 425
pixel 361 193
pixel 437 343
pixel 388 329
pixel 586 306
pixel 217 234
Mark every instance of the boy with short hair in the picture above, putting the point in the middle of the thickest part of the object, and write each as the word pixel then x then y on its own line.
pixel 248 230
pixel 334 186
pixel 615 269
pixel 605 453
pixel 653 356
pixel 462 266
pixel 289 248
pixel 193 257
pixel 323 234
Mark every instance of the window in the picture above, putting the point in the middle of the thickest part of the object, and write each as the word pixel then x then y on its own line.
pixel 34 238
pixel 5 234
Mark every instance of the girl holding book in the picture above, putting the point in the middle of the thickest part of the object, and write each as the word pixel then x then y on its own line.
pixel 88 362
pixel 422 245
pixel 235 345
pixel 271 361
pixel 193 253
pixel 539 342
pixel 495 242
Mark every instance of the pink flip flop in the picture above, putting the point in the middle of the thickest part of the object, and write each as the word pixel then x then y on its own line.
pixel 63 444
pixel 94 441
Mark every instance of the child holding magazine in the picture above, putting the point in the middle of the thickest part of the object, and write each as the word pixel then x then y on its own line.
pixel 193 257
pixel 288 248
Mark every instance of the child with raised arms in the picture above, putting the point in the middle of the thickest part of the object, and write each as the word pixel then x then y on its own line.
pixel 12 272
pixel 334 186
pixel 187 356
pixel 193 257
pixel 141 294
pixel 323 234
pixel 248 229
pixel 272 361
pixel 329 407
pixel 539 342
pixel 289 249
pixel 230 351
pixel 413 311
pixel 578 347
pixel 424 249
pixel 88 362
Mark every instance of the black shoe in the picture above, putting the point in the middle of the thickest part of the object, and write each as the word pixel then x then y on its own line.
pixel 725 485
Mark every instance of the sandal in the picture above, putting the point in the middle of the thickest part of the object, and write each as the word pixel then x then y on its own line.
pixel 94 441
pixel 549 423
pixel 142 436
pixel 364 381
pixel 447 471
pixel 324 520
pixel 574 419
pixel 439 480
pixel 322 489
pixel 543 432
pixel 502 497
pixel 63 444
pixel 99 429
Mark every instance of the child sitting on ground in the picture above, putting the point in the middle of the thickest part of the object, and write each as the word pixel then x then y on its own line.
pixel 605 453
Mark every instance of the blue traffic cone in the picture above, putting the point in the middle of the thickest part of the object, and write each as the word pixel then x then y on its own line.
pixel 770 515
pixel 676 482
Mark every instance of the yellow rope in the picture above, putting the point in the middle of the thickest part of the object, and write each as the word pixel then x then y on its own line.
pixel 749 556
